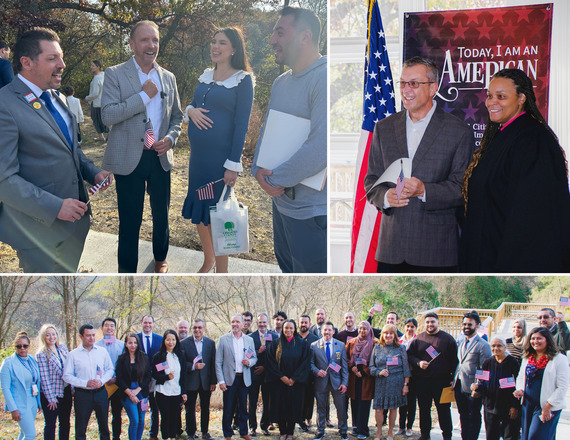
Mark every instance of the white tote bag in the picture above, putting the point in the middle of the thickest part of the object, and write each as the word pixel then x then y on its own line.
pixel 230 225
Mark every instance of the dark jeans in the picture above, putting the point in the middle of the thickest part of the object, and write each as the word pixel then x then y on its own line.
pixel 257 385
pixel 238 391
pixel 469 409
pixel 62 412
pixel 409 411
pixel 116 410
pixel 191 411
pixel 130 202
pixel 300 245
pixel 497 426
pixel 87 401
pixel 170 415
pixel 429 390
pixel 154 415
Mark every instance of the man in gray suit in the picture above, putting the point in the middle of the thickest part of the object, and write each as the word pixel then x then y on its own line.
pixel 234 358
pixel 419 230
pixel 200 353
pixel 327 355
pixel 472 351
pixel 44 214
pixel 140 101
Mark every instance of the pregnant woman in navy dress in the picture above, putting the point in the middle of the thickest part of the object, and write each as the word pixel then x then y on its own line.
pixel 219 118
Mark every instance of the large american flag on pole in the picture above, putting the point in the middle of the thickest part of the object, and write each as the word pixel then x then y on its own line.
pixel 379 102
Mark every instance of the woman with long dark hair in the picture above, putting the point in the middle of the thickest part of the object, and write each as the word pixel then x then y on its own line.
pixel 169 371
pixel 288 365
pixel 133 377
pixel 360 383
pixel 218 119
pixel 517 205
pixel 542 384
pixel 55 394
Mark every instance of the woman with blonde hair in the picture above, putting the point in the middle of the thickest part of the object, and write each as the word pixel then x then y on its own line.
pixel 515 345
pixel 389 365
pixel 55 394
pixel 20 382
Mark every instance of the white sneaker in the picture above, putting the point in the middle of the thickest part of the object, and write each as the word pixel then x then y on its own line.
pixel 400 431
pixel 409 433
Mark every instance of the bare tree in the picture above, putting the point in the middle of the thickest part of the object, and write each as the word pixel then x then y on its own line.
pixel 13 292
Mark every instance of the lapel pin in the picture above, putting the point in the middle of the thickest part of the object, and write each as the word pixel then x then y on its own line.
pixel 37 105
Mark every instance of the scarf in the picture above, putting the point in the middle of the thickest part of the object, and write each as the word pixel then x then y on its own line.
pixel 534 365
pixel 364 345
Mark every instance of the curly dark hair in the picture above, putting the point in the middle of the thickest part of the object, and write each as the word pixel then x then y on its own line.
pixel 523 85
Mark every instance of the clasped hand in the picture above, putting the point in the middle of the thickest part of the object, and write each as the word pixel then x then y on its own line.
pixel 413 187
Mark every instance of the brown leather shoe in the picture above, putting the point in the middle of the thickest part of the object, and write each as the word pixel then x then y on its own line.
pixel 161 266
pixel 245 437
pixel 227 438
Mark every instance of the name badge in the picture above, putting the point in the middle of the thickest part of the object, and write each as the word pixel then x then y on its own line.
pixel 34 390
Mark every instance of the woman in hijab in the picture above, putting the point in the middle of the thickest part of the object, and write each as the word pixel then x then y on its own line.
pixel 515 345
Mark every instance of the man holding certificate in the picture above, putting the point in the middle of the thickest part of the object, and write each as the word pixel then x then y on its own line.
pixel 291 155
pixel 418 231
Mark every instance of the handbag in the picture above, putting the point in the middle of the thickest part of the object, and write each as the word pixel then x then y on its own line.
pixel 230 225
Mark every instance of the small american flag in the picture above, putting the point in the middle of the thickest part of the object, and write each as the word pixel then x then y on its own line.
pixel 377 307
pixel 392 361
pixel 335 367
pixel 432 352
pixel 206 192
pixel 359 361
pixel 400 182
pixel 149 138
pixel 268 337
pixel 162 366
pixel 564 301
pixel 95 189
pixel 197 359
pixel 507 382
pixel 109 339
pixel 249 353
pixel 482 374
pixel 99 372
pixel 144 404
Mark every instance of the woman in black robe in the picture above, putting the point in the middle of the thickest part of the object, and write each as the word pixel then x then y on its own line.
pixel 288 365
pixel 516 189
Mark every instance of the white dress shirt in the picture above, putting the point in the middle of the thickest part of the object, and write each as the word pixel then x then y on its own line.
pixel 81 366
pixel 172 386
pixel 238 352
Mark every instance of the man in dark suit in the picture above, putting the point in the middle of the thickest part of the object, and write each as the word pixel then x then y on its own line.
pixel 6 71
pixel 44 214
pixel 200 353
pixel 472 351
pixel 557 326
pixel 151 343
pixel 419 230
pixel 262 339
pixel 326 353
pixel 139 95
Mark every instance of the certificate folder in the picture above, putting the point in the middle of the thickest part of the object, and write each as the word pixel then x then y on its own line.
pixel 283 136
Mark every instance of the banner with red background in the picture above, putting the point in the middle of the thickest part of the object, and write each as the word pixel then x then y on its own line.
pixel 469 46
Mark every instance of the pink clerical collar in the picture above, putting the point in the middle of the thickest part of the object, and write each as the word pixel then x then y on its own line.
pixel 504 126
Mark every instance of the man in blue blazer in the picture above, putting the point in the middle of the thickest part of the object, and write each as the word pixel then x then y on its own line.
pixel 6 71
pixel 200 354
pixel 151 343
pixel 328 355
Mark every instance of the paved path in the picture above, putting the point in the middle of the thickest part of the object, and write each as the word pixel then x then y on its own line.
pixel 100 256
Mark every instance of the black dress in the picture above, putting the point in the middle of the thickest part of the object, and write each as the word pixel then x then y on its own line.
pixel 518 208
pixel 286 401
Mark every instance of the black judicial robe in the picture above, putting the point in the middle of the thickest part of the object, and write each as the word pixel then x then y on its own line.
pixel 518 209
pixel 286 401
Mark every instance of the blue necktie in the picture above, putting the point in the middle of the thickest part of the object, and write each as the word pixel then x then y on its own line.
pixel 46 97
pixel 148 345
pixel 328 352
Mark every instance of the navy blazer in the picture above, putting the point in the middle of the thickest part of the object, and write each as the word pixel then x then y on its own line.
pixel 207 375
pixel 154 347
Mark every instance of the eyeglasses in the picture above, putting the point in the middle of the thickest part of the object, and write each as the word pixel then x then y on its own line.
pixel 413 84
pixel 544 317
pixel 20 346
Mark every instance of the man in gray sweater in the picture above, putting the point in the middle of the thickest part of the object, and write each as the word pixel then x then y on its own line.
pixel 299 212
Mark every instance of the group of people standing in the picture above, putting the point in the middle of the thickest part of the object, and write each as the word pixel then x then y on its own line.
pixel 45 215
pixel 291 365
pixel 466 212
